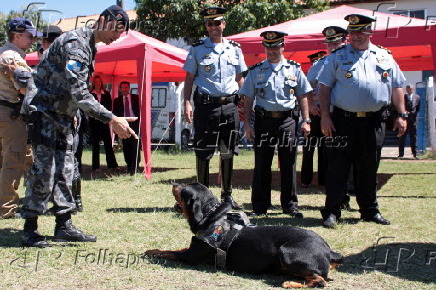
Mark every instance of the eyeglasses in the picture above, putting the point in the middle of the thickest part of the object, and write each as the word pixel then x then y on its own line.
pixel 214 23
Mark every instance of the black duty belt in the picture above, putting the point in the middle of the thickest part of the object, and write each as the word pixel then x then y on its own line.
pixel 356 114
pixel 205 99
pixel 9 104
pixel 262 113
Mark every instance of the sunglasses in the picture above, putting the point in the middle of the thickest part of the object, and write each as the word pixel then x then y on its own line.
pixel 214 23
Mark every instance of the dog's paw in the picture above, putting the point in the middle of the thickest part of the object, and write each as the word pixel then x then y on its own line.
pixel 155 253
pixel 292 284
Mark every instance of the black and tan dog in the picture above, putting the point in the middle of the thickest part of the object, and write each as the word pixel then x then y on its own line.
pixel 249 249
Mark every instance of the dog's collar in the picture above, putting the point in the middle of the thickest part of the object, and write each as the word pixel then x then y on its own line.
pixel 213 209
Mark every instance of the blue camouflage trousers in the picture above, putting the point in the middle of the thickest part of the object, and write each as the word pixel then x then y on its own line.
pixel 50 178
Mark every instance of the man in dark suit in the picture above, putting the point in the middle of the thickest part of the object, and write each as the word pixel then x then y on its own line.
pixel 128 105
pixel 412 102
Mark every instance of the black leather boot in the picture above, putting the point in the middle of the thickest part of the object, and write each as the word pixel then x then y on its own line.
pixel 65 231
pixel 202 171
pixel 77 194
pixel 32 238
pixel 226 183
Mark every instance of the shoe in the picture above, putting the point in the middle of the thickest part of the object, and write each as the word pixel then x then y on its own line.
pixel 257 214
pixel 67 232
pixel 228 198
pixel 330 221
pixel 400 156
pixel 377 218
pixel 303 185
pixel 96 170
pixel 294 213
pixel 34 239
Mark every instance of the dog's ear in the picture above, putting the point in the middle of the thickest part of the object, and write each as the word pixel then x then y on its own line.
pixel 177 188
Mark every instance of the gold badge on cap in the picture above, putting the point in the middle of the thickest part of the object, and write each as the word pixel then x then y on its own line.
pixel 330 32
pixel 211 11
pixel 207 68
pixel 354 19
pixel 348 75
pixel 271 35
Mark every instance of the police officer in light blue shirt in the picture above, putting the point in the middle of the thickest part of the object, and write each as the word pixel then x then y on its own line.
pixel 335 36
pixel 359 80
pixel 275 84
pixel 215 66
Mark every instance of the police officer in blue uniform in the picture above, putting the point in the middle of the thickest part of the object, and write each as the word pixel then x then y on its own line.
pixel 335 36
pixel 313 140
pixel 358 79
pixel 215 66
pixel 275 84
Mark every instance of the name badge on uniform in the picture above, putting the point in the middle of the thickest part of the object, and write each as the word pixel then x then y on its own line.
pixel 206 56
pixel 261 77
pixel 292 91
pixel 348 75
pixel 207 68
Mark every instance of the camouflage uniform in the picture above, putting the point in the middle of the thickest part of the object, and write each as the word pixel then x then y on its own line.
pixel 13 135
pixel 60 88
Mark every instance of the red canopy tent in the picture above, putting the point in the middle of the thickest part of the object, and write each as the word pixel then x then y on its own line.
pixel 411 40
pixel 140 59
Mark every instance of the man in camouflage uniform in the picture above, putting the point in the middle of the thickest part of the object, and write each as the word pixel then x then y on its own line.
pixel 13 135
pixel 60 89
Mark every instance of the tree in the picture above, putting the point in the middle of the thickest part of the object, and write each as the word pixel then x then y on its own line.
pixel 165 19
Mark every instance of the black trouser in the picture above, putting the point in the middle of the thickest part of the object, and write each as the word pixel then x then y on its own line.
pixel 101 131
pixel 411 130
pixel 131 148
pixel 360 143
pixel 313 141
pixel 216 126
pixel 269 134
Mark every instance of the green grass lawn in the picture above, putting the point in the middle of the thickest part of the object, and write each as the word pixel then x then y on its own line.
pixel 130 214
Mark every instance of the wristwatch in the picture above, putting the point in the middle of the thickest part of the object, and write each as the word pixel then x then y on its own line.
pixel 307 120
pixel 403 114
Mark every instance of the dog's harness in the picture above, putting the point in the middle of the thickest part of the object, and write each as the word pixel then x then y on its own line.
pixel 221 234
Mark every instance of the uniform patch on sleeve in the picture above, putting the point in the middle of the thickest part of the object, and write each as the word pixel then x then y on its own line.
pixel 74 65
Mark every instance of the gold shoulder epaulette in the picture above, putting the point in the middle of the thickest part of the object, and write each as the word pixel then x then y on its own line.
pixel 254 65
pixel 338 48
pixel 234 43
pixel 382 47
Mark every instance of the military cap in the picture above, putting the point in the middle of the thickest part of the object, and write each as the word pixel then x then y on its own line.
pixel 118 14
pixel 317 55
pixel 213 13
pixel 358 22
pixel 273 38
pixel 334 33
pixel 51 32
pixel 19 25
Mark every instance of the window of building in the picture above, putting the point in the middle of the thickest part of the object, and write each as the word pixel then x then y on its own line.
pixel 421 14
pixel 159 97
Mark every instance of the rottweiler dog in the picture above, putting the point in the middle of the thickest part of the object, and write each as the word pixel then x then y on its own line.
pixel 295 252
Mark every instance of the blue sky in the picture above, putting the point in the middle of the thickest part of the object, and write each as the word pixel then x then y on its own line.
pixel 68 8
